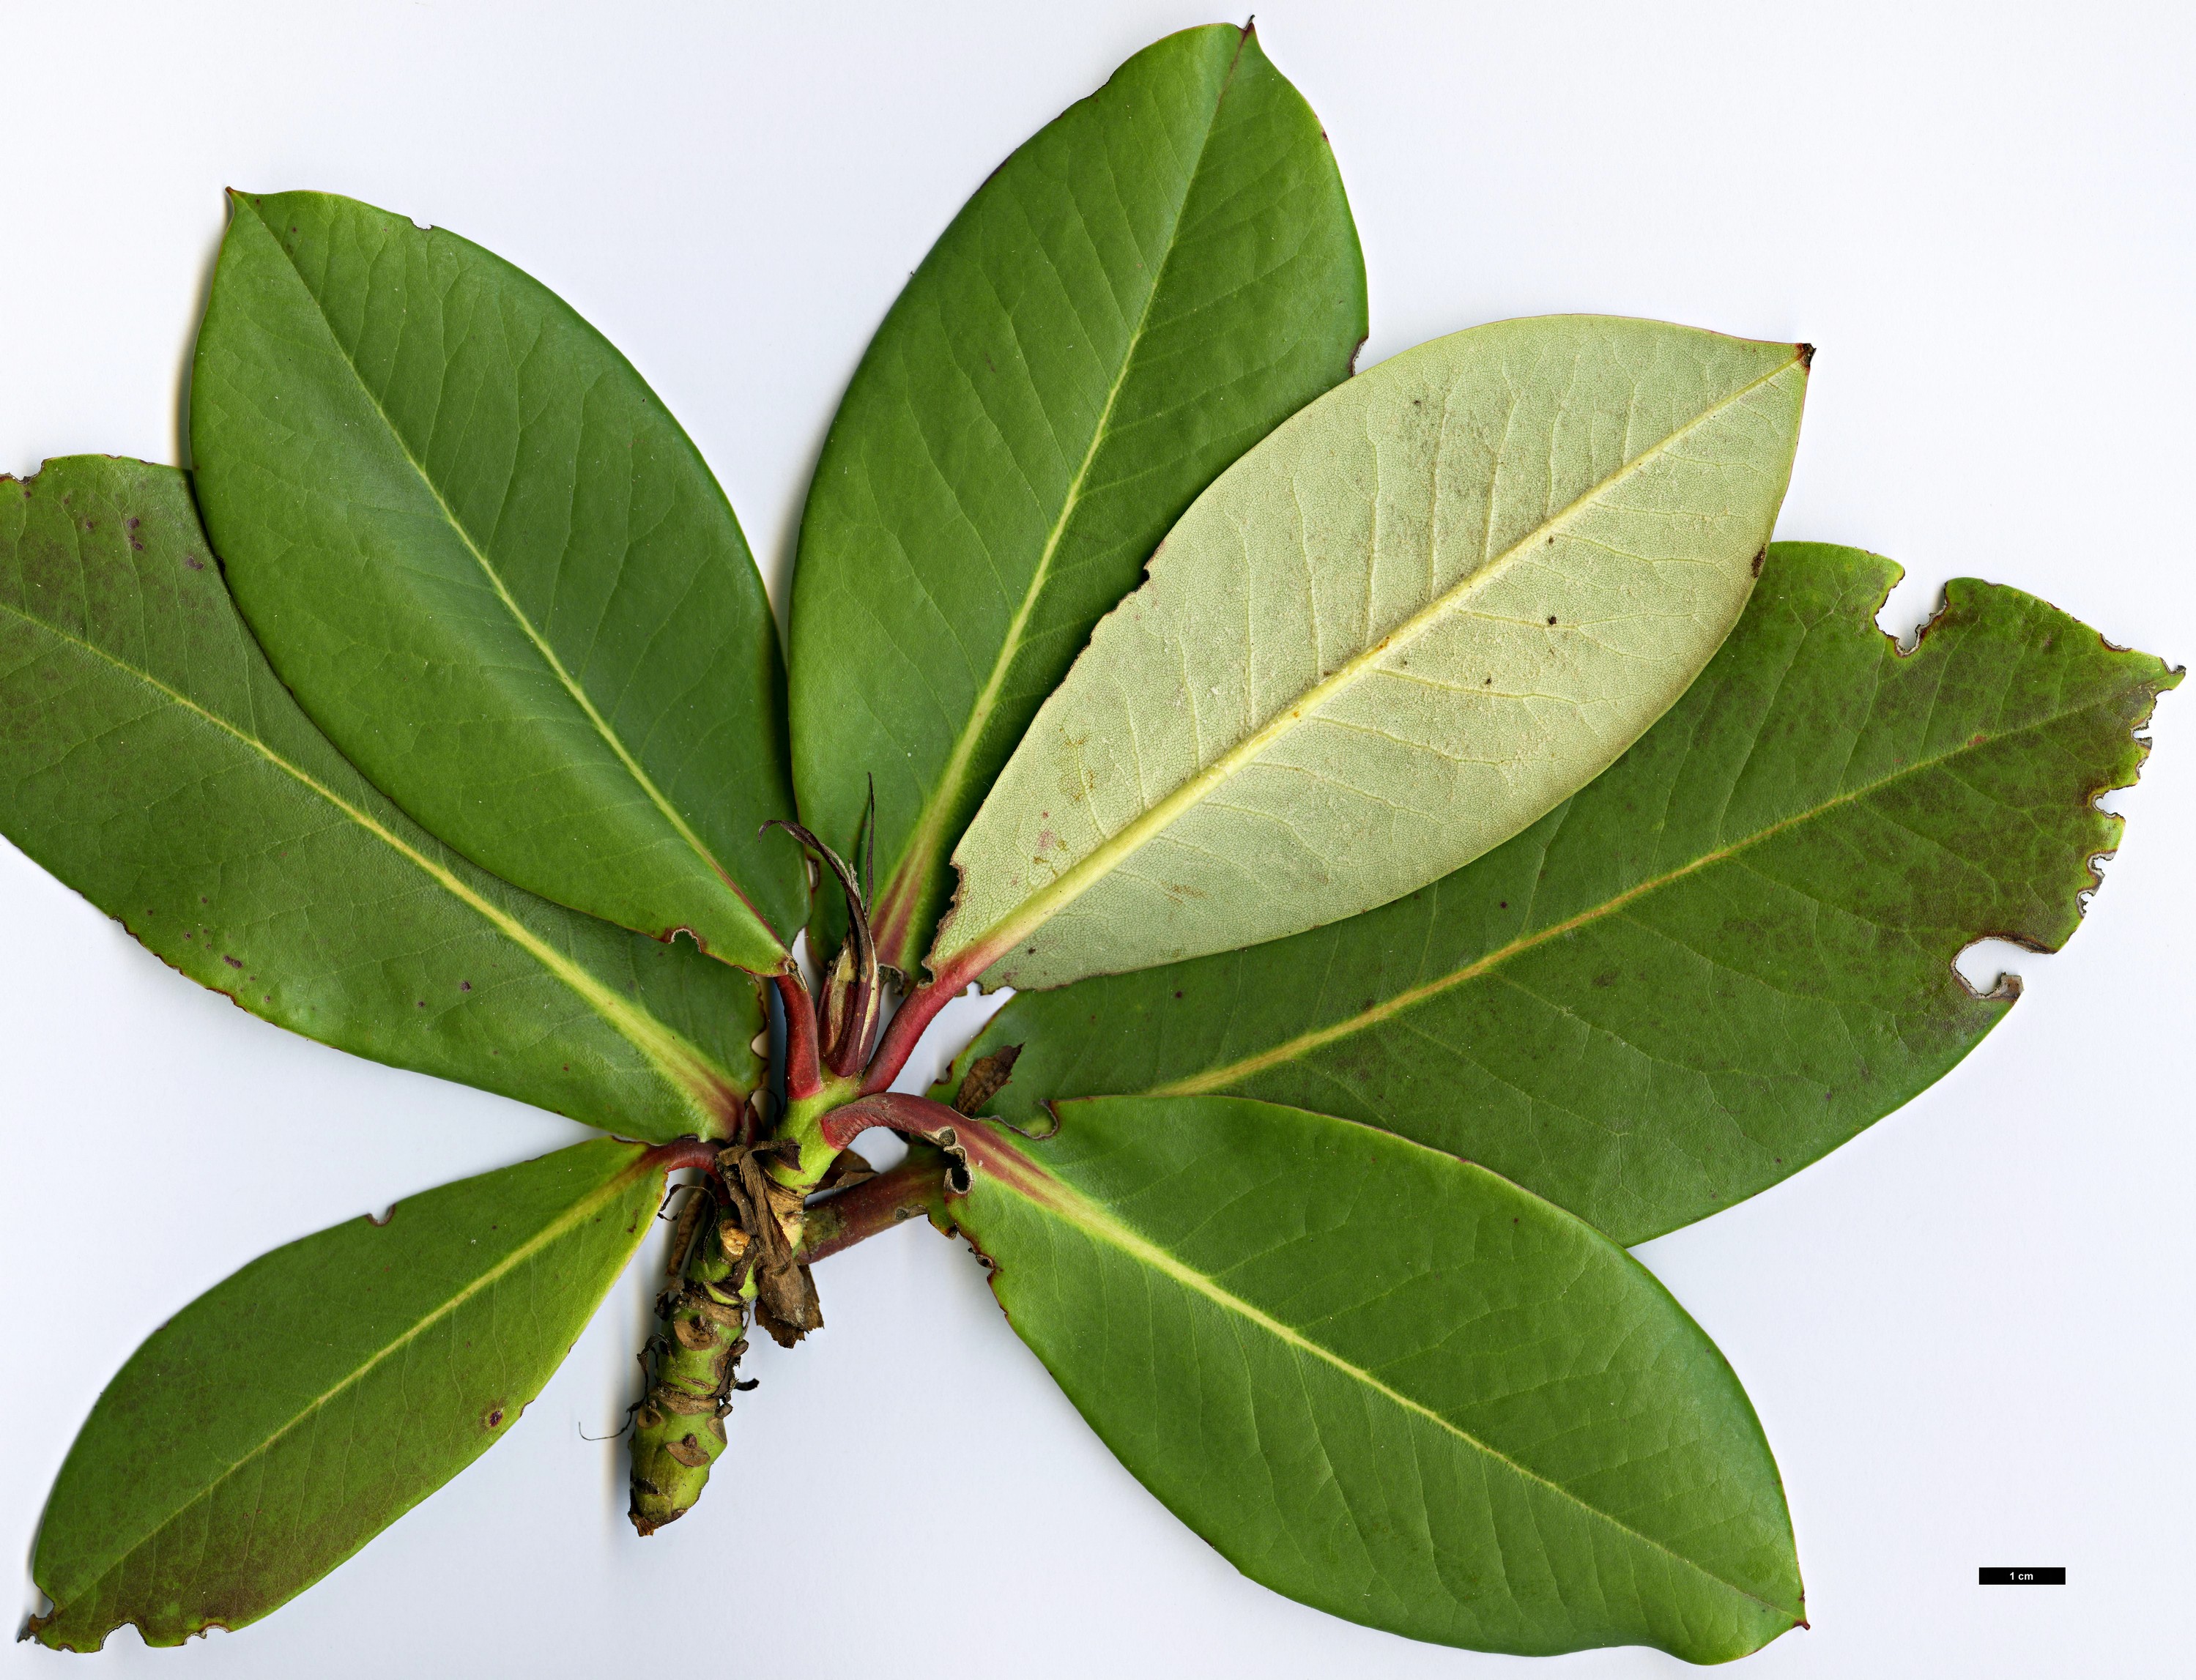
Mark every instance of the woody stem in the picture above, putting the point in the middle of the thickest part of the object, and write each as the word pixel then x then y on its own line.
pixel 914 1189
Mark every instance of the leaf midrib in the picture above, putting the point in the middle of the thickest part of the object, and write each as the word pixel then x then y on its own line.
pixel 1365 1020
pixel 919 858
pixel 1101 860
pixel 540 645
pixel 556 1228
pixel 673 1055
pixel 1073 1208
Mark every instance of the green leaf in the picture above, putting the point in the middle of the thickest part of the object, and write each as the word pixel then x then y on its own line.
pixel 1141 291
pixel 1385 1381
pixel 495 571
pixel 150 759
pixel 1432 604
pixel 288 1415
pixel 1716 963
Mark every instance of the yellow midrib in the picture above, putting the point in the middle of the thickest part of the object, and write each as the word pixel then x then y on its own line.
pixel 1042 906
pixel 1366 1019
pixel 682 1062
pixel 578 694
pixel 576 1213
pixel 919 855
pixel 1075 1210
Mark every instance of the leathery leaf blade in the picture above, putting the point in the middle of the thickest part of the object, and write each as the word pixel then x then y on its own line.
pixel 1430 606
pixel 1142 290
pixel 151 759
pixel 1387 1382
pixel 288 1415
pixel 1717 962
pixel 495 571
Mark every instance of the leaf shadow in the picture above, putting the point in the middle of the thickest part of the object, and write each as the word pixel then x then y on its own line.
pixel 777 574
pixel 200 294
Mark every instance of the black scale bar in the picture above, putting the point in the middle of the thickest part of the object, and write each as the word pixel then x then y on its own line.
pixel 2036 1575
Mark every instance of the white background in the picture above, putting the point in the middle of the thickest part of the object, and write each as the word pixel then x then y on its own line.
pixel 1967 1333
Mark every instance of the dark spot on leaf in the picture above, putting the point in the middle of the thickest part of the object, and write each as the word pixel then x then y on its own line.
pixel 194 563
pixel 1758 559
pixel 232 961
pixel 1552 618
pixel 1177 994
pixel 1504 905
pixel 465 985
pixel 494 1419
pixel 423 1003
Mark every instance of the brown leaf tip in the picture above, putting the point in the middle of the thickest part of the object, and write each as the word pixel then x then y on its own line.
pixel 1806 357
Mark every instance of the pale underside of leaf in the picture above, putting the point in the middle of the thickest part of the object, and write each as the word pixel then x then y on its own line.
pixel 1408 659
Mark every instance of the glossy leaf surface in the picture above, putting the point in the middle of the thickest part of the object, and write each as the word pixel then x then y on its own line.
pixel 285 1418
pixel 150 759
pixel 1138 294
pixel 1429 606
pixel 495 571
pixel 1385 1381
pixel 1717 962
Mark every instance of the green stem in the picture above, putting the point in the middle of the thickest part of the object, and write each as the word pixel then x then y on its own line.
pixel 803 1123
pixel 678 1429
